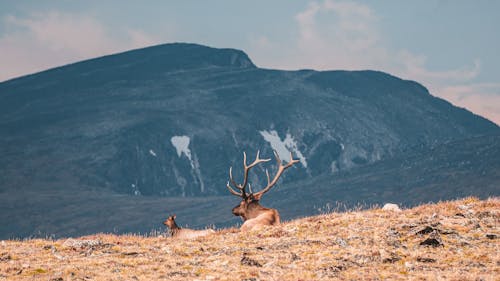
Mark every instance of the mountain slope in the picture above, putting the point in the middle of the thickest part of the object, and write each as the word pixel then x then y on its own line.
pixel 448 171
pixel 445 172
pixel 169 120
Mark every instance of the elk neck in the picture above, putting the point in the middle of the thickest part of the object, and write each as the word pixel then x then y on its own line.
pixel 174 229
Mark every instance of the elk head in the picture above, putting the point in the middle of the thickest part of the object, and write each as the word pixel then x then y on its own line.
pixel 249 207
pixel 170 222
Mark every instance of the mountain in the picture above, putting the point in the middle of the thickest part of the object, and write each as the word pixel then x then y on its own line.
pixel 169 120
pixel 78 142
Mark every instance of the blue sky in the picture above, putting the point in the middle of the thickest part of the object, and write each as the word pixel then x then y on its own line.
pixel 451 47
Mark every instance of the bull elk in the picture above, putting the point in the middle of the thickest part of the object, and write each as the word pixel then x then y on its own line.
pixel 253 214
pixel 184 233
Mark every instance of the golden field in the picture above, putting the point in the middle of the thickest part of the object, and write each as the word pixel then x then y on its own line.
pixel 455 240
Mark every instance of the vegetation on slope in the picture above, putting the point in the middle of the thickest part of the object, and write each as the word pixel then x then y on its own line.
pixel 455 240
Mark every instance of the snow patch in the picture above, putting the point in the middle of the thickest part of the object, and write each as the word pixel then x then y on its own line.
pixel 284 147
pixel 181 144
pixel 137 192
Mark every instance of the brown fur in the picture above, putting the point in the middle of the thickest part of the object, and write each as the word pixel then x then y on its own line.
pixel 184 233
pixel 254 215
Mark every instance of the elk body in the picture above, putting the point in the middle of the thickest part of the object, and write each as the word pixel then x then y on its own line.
pixel 253 214
pixel 184 233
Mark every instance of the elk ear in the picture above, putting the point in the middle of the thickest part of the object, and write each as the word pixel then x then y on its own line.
pixel 174 216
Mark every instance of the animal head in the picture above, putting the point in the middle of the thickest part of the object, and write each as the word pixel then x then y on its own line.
pixel 245 205
pixel 170 222
pixel 249 204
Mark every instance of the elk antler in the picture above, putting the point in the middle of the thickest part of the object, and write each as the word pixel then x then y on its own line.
pixel 281 169
pixel 247 168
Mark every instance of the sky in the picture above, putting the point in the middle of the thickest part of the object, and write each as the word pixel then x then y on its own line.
pixel 449 46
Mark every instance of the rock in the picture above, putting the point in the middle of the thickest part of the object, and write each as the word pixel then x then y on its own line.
pixel 245 260
pixel 424 230
pixel 431 228
pixel 392 233
pixel 389 257
pixel 448 232
pixel 433 240
pixel 392 238
pixel 341 242
pixel 294 257
pixel 5 257
pixel 491 236
pixel 486 214
pixel 408 226
pixel 391 207
pixel 464 207
pixel 130 253
pixel 467 209
pixel 409 266
pixel 81 244
pixel 425 259
pixel 334 268
pixel 175 273
pixel 58 256
pixel 48 247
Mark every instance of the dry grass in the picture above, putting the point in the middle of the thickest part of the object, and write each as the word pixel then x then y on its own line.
pixel 362 245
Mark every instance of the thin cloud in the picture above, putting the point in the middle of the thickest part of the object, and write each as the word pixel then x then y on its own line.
pixel 414 65
pixel 45 40
pixel 481 98
pixel 345 35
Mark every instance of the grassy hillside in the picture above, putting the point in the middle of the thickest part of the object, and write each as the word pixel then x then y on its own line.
pixel 455 240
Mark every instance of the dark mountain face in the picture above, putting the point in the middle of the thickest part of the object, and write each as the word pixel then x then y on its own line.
pixel 447 171
pixel 170 120
pixel 444 172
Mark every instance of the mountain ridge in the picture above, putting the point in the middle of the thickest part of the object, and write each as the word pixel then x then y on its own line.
pixel 245 60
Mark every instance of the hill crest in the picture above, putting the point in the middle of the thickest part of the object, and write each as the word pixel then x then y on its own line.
pixel 454 240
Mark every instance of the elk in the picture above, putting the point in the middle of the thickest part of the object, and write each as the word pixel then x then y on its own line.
pixel 253 214
pixel 184 233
